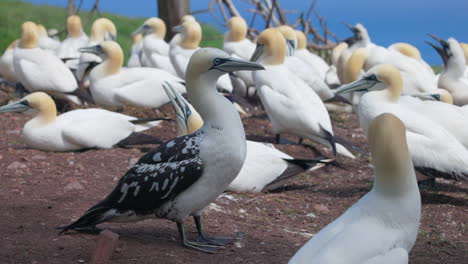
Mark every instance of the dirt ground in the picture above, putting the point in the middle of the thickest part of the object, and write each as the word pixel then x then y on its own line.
pixel 41 190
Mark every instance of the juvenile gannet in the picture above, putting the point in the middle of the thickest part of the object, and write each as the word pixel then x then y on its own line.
pixel 292 106
pixel 452 77
pixel 7 69
pixel 39 70
pixel 135 51
pixel 383 225
pixel 76 38
pixel 77 129
pixel 112 85
pixel 316 62
pixel 265 168
pixel 155 51
pixel 435 151
pixel 183 46
pixel 45 42
pixel 182 176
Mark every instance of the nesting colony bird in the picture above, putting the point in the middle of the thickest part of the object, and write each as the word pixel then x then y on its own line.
pixel 182 176
pixel 135 51
pixel 76 38
pixel 383 225
pixel 435 151
pixel 412 52
pixel 333 78
pixel 78 129
pixel 265 168
pixel 45 42
pixel 112 85
pixel 291 105
pixel 314 61
pixel 7 69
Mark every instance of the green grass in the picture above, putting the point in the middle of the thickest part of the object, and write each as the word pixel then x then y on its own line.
pixel 14 12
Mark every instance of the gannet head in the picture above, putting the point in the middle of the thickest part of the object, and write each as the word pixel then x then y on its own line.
pixel 407 50
pixel 74 27
pixel 355 64
pixel 191 33
pixel 359 34
pixel 271 47
pixel 237 29
pixel 443 51
pixel 336 52
pixel 441 95
pixel 155 26
pixel 41 31
pixel 111 54
pixel 136 38
pixel 291 38
pixel 188 119
pixel 29 37
pixel 187 18
pixel 301 40
pixel 38 101
pixel 465 51
pixel 382 76
pixel 103 29
pixel 451 53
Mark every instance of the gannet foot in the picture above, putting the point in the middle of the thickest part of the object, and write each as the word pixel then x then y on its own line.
pixel 218 241
pixel 200 246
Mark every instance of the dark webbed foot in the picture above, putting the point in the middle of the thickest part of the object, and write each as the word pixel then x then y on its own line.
pixel 202 246
pixel 217 241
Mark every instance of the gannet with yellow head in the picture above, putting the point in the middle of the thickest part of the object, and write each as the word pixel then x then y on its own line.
pixel 382 226
pixel 435 150
pixel 78 129
pixel 76 38
pixel 182 176
pixel 7 69
pixel 292 106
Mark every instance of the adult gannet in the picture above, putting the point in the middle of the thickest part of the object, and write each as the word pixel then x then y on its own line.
pixel 291 105
pixel 184 45
pixel 39 70
pixel 112 85
pixel 45 42
pixel 452 77
pixel 7 69
pixel 265 168
pixel 135 51
pixel 76 38
pixel 411 52
pixel 435 151
pixel 155 51
pixel 101 30
pixel 182 176
pixel 383 225
pixel 333 78
pixel 316 62
pixel 77 129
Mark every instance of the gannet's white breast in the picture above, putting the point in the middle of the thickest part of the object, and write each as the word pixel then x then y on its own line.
pixel 135 55
pixel 7 69
pixel 316 62
pixel 69 49
pixel 242 49
pixel 39 70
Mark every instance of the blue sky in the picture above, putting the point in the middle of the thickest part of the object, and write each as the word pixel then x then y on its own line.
pixel 387 21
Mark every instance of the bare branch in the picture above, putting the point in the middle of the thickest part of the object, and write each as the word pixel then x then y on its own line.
pixel 280 12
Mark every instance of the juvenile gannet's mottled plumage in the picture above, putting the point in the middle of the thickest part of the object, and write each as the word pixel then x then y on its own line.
pixel 383 225
pixel 7 69
pixel 75 39
pixel 182 176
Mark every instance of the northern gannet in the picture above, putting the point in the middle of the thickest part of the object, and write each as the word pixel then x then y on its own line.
pixel 76 38
pixel 334 74
pixel 112 85
pixel 184 45
pixel 452 77
pixel 435 151
pixel 39 70
pixel 316 62
pixel 412 52
pixel 382 227
pixel 7 69
pixel 182 176
pixel 155 50
pixel 292 106
pixel 45 42
pixel 265 168
pixel 77 129
pixel 135 51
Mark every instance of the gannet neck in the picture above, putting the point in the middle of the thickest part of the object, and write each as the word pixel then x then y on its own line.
pixel 191 36
pixel 100 28
pixel 137 38
pixel 12 44
pixel 41 31
pixel 365 39
pixel 408 50
pixel 355 64
pixel 29 37
pixel 456 64
pixel 274 45
pixel 301 40
pixel 465 51
pixel 336 52
pixel 74 27
pixel 194 121
pixel 394 172
pixel 237 29
pixel 47 111
pixel 391 77
pixel 158 27
pixel 113 61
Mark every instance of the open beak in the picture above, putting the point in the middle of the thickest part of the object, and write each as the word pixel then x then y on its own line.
pixel 444 51
pixel 233 64
pixel 356 86
pixel 97 49
pixel 257 53
pixel 181 108
pixel 18 107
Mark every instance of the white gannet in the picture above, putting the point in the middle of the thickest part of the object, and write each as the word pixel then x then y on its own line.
pixel 112 85
pixel 184 45
pixel 182 176
pixel 76 38
pixel 435 151
pixel 101 30
pixel 155 50
pixel 412 52
pixel 77 129
pixel 265 168
pixel 45 42
pixel 39 70
pixel 315 61
pixel 236 44
pixel 135 51
pixel 333 78
pixel 360 38
pixel 7 69
pixel 292 106
pixel 452 77
pixel 382 227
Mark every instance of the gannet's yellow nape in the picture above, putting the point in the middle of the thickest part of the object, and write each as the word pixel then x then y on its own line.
pixel 407 50
pixel 291 39
pixel 465 51
pixel 155 26
pixel 336 52
pixel 301 40
pixel 74 27
pixel 191 34
pixel 271 47
pixel 40 101
pixel 29 36
pixel 41 31
pixel 237 29
pixel 445 96
pixel 103 29
pixel 136 38
pixel 354 65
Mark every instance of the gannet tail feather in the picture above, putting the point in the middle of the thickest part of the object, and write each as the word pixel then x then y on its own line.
pixel 330 138
pixel 137 138
pixel 147 120
pixel 91 218
pixel 349 145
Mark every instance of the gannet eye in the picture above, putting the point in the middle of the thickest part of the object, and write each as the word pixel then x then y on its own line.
pixel 24 102
pixel 217 61
pixel 372 77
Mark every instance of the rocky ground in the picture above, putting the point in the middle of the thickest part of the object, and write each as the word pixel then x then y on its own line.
pixel 41 190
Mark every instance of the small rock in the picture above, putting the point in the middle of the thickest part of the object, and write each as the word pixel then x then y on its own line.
pixel 38 157
pixel 17 165
pixel 312 215
pixel 80 261
pixel 321 208
pixel 75 185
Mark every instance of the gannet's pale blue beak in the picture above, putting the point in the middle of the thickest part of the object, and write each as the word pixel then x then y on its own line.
pixel 291 47
pixel 363 84
pixel 180 106
pixel 427 96
pixel 18 107
pixel 233 64
pixel 444 52
pixel 143 29
pixel 97 49
pixel 257 53
pixel 178 29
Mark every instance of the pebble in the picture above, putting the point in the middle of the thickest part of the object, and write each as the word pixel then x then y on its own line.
pixel 312 215
pixel 74 185
pixel 321 208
